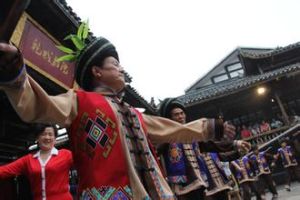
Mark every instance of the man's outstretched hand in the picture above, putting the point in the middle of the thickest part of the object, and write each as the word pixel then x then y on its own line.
pixel 229 130
pixel 7 54
pixel 243 146
pixel 11 62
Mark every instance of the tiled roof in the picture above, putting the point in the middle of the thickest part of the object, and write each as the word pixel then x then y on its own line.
pixel 141 99
pixel 266 54
pixel 68 11
pixel 235 85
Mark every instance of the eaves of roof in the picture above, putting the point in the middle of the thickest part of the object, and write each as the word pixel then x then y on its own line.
pixel 141 99
pixel 257 54
pixel 235 85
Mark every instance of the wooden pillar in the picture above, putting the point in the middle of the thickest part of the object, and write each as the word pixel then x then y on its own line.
pixel 283 112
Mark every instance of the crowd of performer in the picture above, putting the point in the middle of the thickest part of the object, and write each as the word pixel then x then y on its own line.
pixel 114 147
pixel 249 174
pixel 199 170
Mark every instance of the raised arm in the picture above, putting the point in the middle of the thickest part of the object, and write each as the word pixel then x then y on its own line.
pixel 162 130
pixel 29 100
pixel 15 168
pixel 229 156
pixel 218 146
pixel 235 165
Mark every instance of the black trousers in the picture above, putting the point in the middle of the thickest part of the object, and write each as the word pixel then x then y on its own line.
pixel 195 194
pixel 248 188
pixel 292 172
pixel 267 180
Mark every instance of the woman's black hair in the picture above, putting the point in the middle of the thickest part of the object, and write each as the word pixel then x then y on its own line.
pixel 39 128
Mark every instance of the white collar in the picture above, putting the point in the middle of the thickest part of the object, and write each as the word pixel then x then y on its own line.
pixel 54 151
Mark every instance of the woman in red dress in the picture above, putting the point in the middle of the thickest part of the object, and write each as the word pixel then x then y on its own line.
pixel 47 170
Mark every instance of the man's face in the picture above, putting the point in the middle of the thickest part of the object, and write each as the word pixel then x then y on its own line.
pixel 283 144
pixel 178 115
pixel 112 74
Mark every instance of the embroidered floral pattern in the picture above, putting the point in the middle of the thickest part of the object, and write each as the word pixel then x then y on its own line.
pixel 107 193
pixel 177 179
pixel 175 153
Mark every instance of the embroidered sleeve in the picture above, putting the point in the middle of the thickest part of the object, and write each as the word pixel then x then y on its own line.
pixel 229 156
pixel 15 168
pixel 162 130
pixel 216 146
pixel 218 128
pixel 17 81
pixel 236 166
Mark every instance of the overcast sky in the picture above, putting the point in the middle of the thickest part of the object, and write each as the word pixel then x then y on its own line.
pixel 167 45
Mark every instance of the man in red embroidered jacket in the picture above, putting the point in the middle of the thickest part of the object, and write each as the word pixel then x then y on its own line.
pixel 109 139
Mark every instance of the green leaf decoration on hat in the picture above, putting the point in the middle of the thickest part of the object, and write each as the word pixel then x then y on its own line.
pixel 79 42
pixel 65 49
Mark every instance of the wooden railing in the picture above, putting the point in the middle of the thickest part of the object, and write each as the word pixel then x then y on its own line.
pixel 273 135
pixel 266 136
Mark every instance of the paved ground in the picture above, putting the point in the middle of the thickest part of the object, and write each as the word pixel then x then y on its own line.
pixel 294 194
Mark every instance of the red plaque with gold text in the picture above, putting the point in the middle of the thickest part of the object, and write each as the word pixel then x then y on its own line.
pixel 40 53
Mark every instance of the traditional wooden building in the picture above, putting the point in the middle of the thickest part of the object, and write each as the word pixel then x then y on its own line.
pixel 230 89
pixel 248 86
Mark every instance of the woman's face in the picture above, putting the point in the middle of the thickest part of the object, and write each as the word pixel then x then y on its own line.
pixel 46 139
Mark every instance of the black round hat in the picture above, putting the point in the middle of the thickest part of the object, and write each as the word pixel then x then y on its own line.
pixel 93 54
pixel 167 105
